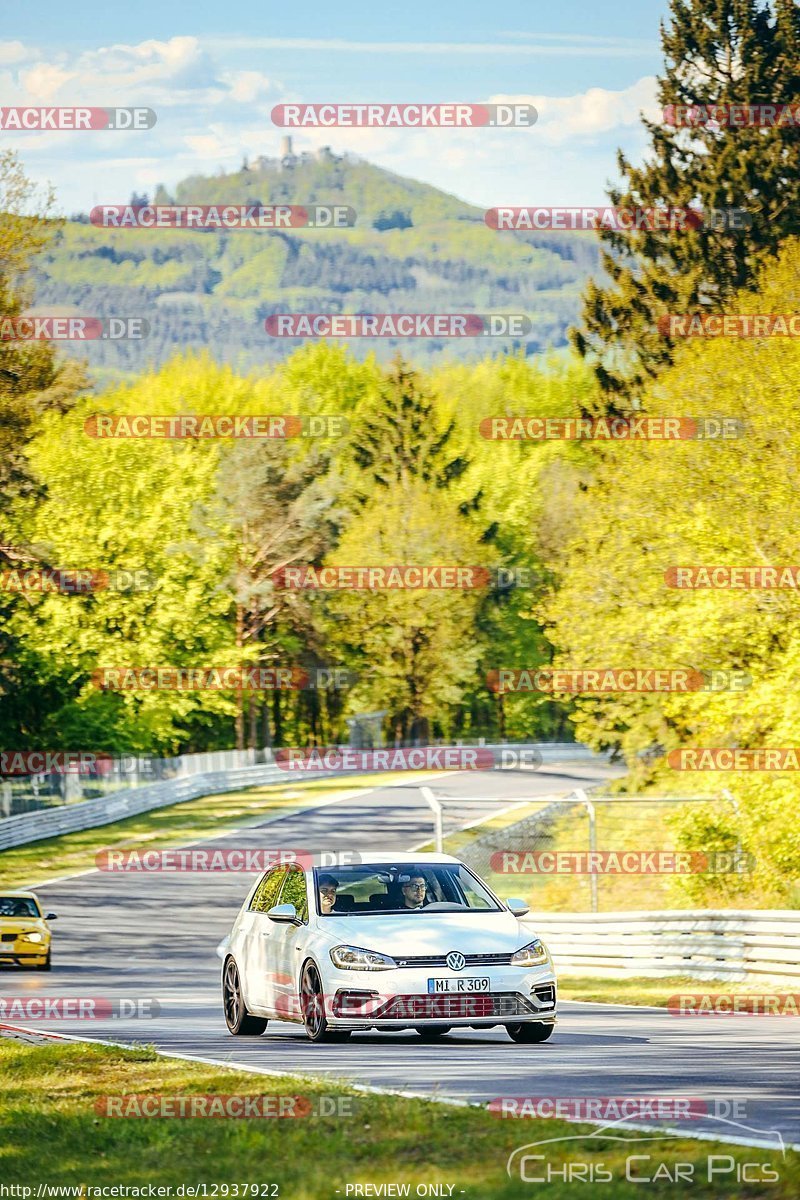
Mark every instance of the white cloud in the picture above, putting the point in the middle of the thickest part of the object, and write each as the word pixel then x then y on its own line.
pixel 247 86
pixel 13 52
pixel 43 82
pixel 595 111
pixel 576 47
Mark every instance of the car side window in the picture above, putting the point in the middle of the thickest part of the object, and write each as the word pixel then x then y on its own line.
pixel 265 896
pixel 295 892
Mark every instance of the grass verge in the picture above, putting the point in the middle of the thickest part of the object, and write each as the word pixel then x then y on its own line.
pixel 657 992
pixel 642 990
pixel 51 1133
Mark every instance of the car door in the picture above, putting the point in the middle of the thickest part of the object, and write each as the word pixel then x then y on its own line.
pixel 259 988
pixel 287 943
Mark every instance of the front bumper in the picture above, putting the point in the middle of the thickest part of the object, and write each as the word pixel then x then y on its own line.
pixel 515 995
pixel 22 951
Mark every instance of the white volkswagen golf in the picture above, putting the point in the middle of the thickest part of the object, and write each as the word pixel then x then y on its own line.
pixel 396 942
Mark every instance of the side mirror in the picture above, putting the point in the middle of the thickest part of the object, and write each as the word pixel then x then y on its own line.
pixel 518 907
pixel 51 917
pixel 284 913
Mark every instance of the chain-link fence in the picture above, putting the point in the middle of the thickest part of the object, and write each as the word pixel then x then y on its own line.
pixel 593 852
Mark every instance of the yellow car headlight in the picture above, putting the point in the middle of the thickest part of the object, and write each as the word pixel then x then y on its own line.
pixel 34 937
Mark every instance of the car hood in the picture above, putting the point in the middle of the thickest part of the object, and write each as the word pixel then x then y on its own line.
pixel 429 933
pixel 22 924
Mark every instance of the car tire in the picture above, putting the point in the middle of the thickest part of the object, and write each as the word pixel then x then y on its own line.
pixel 530 1032
pixel 312 1004
pixel 240 1022
pixel 47 965
pixel 432 1033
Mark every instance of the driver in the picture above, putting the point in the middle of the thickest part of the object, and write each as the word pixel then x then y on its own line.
pixel 328 887
pixel 415 891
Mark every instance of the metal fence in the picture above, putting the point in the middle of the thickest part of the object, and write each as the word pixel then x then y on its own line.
pixel 192 776
pixel 69 818
pixel 700 943
pixel 107 776
pixel 542 830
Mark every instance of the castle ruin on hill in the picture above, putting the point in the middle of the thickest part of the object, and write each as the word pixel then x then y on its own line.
pixel 287 160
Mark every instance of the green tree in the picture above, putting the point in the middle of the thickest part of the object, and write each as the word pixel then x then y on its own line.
pixel 415 651
pixel 399 436
pixel 726 52
pixel 649 507
pixel 34 381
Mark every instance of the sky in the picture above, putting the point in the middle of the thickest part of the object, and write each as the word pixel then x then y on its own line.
pixel 213 75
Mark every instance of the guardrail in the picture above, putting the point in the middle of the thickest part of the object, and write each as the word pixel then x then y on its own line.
pixel 127 802
pixel 70 818
pixel 702 943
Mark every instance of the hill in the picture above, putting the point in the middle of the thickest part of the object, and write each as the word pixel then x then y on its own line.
pixel 413 249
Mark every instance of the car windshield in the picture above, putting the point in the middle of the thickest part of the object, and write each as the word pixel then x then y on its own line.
pixel 18 906
pixel 401 888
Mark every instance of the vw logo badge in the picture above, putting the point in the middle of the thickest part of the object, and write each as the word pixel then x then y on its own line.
pixel 456 961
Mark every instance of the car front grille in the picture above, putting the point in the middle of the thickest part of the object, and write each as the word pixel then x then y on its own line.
pixel 440 960
pixel 449 1007
pixel 8 937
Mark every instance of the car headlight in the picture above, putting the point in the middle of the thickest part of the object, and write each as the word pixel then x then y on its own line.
pixel 532 955
pixel 353 958
pixel 33 937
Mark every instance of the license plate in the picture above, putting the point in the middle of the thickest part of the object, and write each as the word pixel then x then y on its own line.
pixel 459 985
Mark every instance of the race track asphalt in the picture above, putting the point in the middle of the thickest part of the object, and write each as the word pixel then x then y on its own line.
pixel 155 936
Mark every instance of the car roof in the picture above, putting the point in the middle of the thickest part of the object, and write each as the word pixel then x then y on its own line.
pixel 380 857
pixel 18 895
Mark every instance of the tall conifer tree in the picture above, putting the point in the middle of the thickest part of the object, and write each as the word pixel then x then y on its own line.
pixel 717 52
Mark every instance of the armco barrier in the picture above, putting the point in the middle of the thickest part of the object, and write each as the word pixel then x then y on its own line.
pixel 702 943
pixel 50 822
pixel 87 814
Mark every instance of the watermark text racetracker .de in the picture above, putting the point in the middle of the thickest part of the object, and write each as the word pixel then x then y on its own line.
pixel 405 116
pixel 214 426
pixel 75 581
pixel 528 428
pixel 616 1108
pixel 72 119
pixel 223 216
pixel 733 116
pixel 733 325
pixel 737 578
pixel 734 758
pixel 621 862
pixel 616 680
pixel 237 859
pixel 78 1008
pixel 73 329
pixel 219 678
pixel 72 762
pixel 335 577
pixel 731 1004
pixel 620 220
pixel 398 325
pixel 417 758
pixel 232 1106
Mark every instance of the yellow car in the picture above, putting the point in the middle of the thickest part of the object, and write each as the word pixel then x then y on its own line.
pixel 24 933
